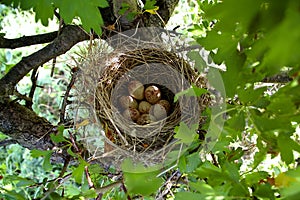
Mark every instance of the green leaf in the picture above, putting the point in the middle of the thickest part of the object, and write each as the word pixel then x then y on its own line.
pixel 72 190
pixel 150 5
pixel 281 105
pixel 264 191
pixel 193 91
pixel 87 11
pixel 59 137
pixel 232 171
pixel 200 64
pixel 46 154
pixel 254 177
pixel 286 146
pixel 235 154
pixel 185 134
pixel 261 154
pixel 78 171
pixel 44 10
pixel 188 195
pixel 142 183
pixel 208 170
pixel 202 188
pixel 264 124
pixel 250 95
pixel 139 179
pixel 237 122
pixel 71 153
pixel 192 162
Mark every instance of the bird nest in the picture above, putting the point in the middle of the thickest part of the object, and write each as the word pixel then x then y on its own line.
pixel 105 79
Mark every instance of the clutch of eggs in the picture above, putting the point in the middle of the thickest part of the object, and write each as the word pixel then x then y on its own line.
pixel 144 106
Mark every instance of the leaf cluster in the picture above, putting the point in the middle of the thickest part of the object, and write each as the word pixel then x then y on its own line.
pixel 86 11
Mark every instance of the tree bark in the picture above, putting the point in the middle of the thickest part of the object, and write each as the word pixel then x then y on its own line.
pixel 25 126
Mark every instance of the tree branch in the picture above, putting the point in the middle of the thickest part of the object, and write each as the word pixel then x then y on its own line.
pixel 69 36
pixel 27 40
pixel 25 127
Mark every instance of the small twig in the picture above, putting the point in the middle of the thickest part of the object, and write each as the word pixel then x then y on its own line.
pixel 73 140
pixel 66 96
pixel 125 190
pixel 167 189
pixel 66 164
pixel 7 142
pixel 89 180
pixel 99 197
pixel 33 78
pixel 215 162
pixel 108 187
pixel 22 97
pixel 60 182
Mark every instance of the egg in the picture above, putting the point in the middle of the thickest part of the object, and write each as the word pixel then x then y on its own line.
pixel 165 104
pixel 144 107
pixel 158 111
pixel 131 114
pixel 145 119
pixel 136 89
pixel 152 94
pixel 128 102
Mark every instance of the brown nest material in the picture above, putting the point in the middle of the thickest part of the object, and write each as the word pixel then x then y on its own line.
pixel 147 143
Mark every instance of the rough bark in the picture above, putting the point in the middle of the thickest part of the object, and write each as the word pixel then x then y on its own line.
pixel 25 126
pixel 22 124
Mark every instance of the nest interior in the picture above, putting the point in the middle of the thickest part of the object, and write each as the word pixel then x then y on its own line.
pixel 171 74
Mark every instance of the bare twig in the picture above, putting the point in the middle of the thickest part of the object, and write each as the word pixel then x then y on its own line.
pixel 27 40
pixel 7 142
pixel 66 96
pixel 34 77
pixel 215 162
pixel 89 180
pixel 73 140
pixel 66 164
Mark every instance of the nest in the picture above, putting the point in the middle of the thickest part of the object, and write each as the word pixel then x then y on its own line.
pixel 104 79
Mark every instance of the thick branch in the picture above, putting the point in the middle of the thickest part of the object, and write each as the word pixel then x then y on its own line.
pixel 25 126
pixel 27 40
pixel 69 36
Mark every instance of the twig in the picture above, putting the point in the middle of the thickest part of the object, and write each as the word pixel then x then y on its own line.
pixel 108 187
pixel 168 182
pixel 22 97
pixel 66 96
pixel 89 180
pixel 66 164
pixel 27 40
pixel 73 140
pixel 7 142
pixel 125 190
pixel 33 78
pixel 215 162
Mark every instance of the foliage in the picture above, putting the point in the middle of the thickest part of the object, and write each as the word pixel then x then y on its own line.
pixel 68 9
pixel 255 156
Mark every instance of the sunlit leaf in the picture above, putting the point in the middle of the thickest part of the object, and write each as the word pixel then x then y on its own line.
pixel 185 134
pixel 190 92
pixel 140 180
